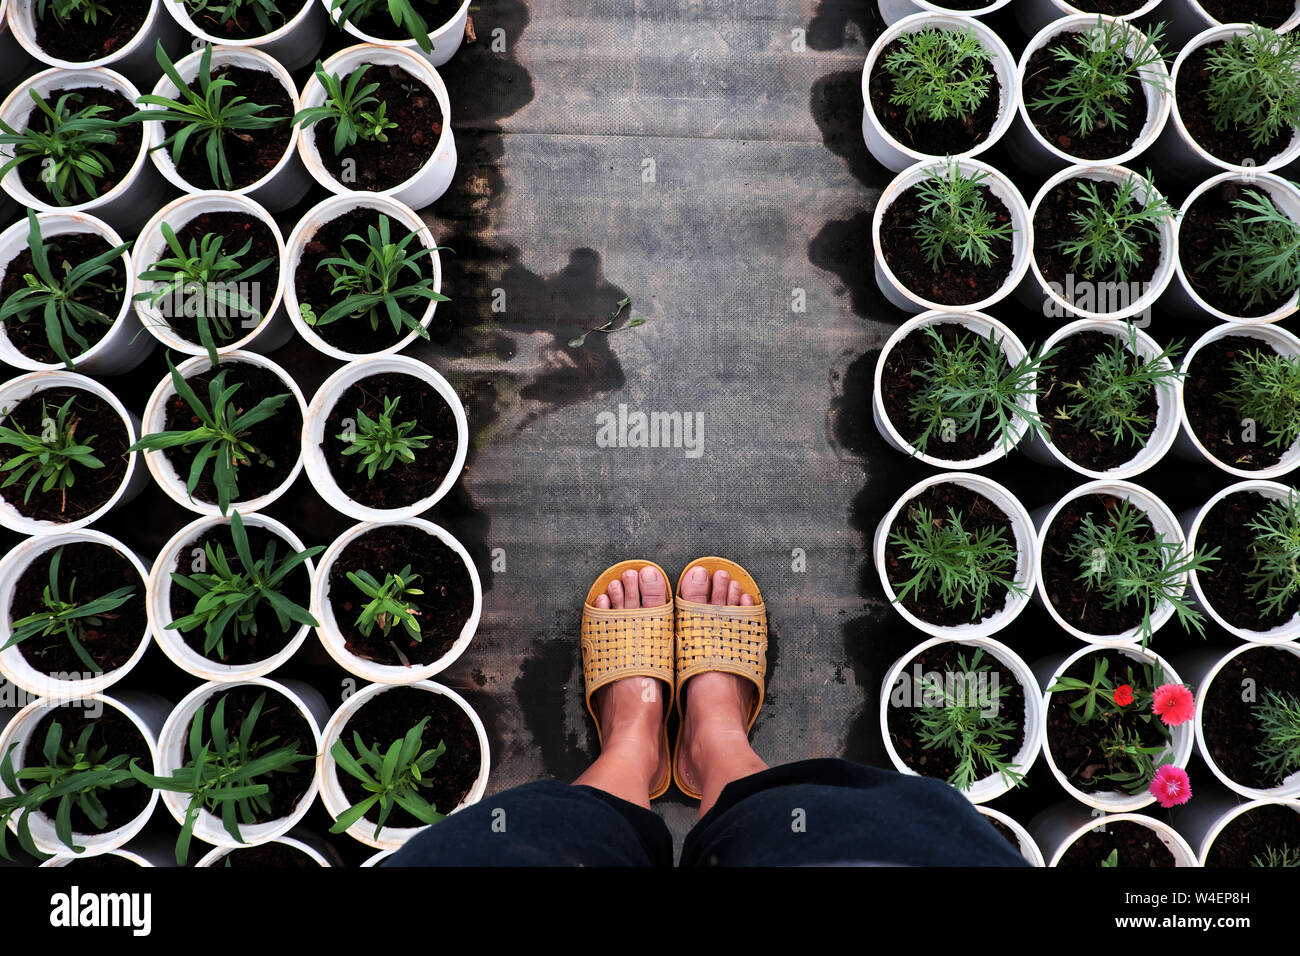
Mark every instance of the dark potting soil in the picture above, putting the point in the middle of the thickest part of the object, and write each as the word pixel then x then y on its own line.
pixel 277 437
pixel 941 762
pixel 64 253
pixel 250 153
pixel 1269 13
pixel 78 41
pixel 120 154
pixel 899 387
pixel 1225 527
pixel 314 284
pixel 1231 724
pixel 279 719
pixel 964 4
pixel 443 609
pixel 1105 139
pixel 935 137
pixel 372 165
pixel 435 14
pixel 1200 235
pixel 92 421
pixel 389 716
pixel 1100 452
pixel 977 513
pixel 277 855
pixel 405 482
pixel 235 228
pixel 1137 846
pixel 1110 8
pixel 114 731
pixel 1218 426
pixel 243 25
pixel 1232 144
pixel 1078 604
pixel 957 282
pixel 87 570
pixel 1053 225
pixel 1251 834
pixel 1074 745
pixel 1005 831
pixel 269 639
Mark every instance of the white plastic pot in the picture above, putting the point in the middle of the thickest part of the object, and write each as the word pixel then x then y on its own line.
pixel 1059 826
pixel 171 757
pixel 1026 562
pixel 327 211
pixel 1021 241
pixel 1178 151
pixel 1201 821
pixel 1031 721
pixel 891 11
pixel 145 711
pixel 294 45
pixel 1162 434
pixel 177 555
pixel 980 324
pixel 1033 15
pixel 154 420
pixel 268 334
pixel 329 631
pixel 1203 667
pixel 1183 298
pixel 124 345
pixel 287 182
pixel 134 480
pixel 1051 300
pixel 1187 18
pixel 1188 446
pixel 446 38
pixel 378 859
pixel 1162 521
pixel 898 156
pixel 1030 149
pixel 328 395
pixel 13 665
pixel 313 846
pixel 1026 844
pixel 140 189
pixel 431 180
pixel 327 776
pixel 137 855
pixel 135 58
pixel 1192 520
pixel 1179 752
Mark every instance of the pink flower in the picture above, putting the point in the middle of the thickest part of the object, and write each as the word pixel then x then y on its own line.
pixel 1171 786
pixel 1174 703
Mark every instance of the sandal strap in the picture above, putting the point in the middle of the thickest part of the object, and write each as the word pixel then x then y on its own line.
pixel 716 637
pixel 625 642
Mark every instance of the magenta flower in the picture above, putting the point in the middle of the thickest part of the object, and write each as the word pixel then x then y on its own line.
pixel 1174 703
pixel 1171 786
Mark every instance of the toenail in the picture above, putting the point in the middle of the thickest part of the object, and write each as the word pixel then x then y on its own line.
pixel 651 576
pixel 699 575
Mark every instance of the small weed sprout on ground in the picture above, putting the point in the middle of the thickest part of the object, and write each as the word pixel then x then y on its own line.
pixel 1279 734
pixel 354 110
pixel 1258 256
pixel 383 442
pixel 1108 397
pixel 1091 94
pixel 67 619
pixel 206 279
pixel 965 728
pixel 225 773
pixel 56 300
pixel 969 384
pixel 73 776
pixel 633 321
pixel 1266 390
pixel 392 777
pixel 230 594
pixel 1127 564
pixel 939 74
pixel 224 11
pixel 1274 579
pixel 53 455
pixel 403 13
pixel 65 141
pixel 955 221
pixel 1254 84
pixel 1283 856
pixel 221 434
pixel 1109 233
pixel 960 566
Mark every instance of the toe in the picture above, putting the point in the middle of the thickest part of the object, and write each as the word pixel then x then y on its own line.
pixel 695 585
pixel 733 593
pixel 602 601
pixel 615 590
pixel 746 600
pixel 654 589
pixel 721 581
pixel 631 589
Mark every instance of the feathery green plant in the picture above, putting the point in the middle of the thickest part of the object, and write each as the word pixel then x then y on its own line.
pixel 1254 84
pixel 939 74
pixel 955 220
pixel 1109 233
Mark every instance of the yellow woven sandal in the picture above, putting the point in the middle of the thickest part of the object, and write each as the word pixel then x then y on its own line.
pixel 716 637
pixel 627 642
